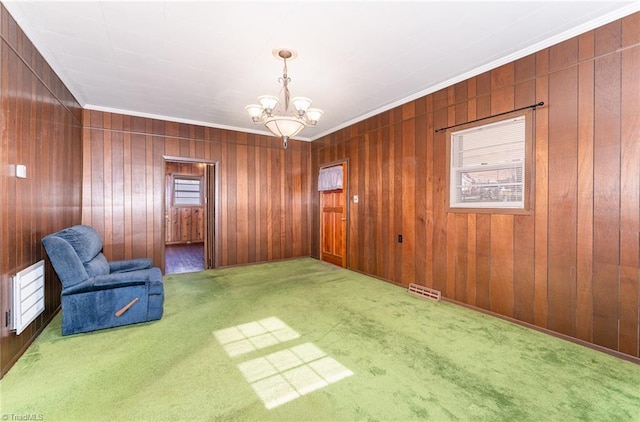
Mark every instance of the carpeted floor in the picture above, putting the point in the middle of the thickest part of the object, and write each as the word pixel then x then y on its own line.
pixel 304 340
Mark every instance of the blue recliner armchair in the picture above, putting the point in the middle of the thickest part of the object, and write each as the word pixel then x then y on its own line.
pixel 98 294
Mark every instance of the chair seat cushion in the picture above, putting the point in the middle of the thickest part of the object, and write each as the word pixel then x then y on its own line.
pixel 130 265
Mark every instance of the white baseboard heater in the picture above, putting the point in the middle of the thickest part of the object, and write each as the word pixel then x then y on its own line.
pixel 28 296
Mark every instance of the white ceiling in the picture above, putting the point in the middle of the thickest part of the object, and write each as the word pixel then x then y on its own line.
pixel 203 62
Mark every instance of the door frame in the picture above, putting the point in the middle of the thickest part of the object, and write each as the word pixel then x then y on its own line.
pixel 210 205
pixel 347 204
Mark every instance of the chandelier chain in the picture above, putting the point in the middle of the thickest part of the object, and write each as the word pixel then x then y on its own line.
pixel 285 79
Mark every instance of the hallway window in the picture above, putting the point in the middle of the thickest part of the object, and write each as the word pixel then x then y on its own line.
pixel 187 191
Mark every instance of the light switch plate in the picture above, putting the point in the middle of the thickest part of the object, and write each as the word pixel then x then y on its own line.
pixel 21 171
pixel 355 199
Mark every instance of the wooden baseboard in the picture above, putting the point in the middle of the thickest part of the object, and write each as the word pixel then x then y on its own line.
pixel 263 262
pixel 593 346
pixel 25 346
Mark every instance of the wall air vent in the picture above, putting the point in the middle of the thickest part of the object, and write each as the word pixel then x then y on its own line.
pixel 426 292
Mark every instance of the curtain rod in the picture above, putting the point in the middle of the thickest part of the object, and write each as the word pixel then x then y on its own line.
pixel 540 104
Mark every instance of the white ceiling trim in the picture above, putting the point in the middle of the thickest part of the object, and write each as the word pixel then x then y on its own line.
pixel 581 29
pixel 181 120
pixel 27 19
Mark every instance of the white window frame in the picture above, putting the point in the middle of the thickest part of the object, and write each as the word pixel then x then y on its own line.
pixel 176 200
pixel 493 196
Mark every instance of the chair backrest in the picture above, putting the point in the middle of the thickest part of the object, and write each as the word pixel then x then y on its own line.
pixel 75 254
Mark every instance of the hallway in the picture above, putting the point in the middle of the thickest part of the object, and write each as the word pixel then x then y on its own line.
pixel 184 258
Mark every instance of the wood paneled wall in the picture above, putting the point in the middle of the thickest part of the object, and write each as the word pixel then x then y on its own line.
pixel 264 190
pixel 572 265
pixel 41 127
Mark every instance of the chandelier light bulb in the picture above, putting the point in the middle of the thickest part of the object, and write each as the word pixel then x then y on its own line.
pixel 301 105
pixel 255 111
pixel 268 103
pixel 314 114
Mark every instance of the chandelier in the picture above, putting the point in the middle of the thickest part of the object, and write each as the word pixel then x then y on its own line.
pixel 279 120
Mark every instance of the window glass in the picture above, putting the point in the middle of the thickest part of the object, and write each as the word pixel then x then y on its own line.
pixel 186 191
pixel 488 165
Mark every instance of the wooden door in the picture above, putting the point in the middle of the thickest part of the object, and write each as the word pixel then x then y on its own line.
pixel 333 226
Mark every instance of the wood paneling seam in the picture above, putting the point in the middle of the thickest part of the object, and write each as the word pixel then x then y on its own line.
pixel 61 102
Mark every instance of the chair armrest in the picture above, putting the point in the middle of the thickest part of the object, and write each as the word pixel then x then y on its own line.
pixel 130 265
pixel 109 281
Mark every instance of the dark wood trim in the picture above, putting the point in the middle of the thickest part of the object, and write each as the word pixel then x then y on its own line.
pixel 565 337
pixel 525 324
pixel 23 348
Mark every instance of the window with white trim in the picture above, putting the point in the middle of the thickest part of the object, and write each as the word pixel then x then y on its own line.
pixel 187 191
pixel 489 166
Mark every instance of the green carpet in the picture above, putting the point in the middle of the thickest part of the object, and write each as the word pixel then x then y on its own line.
pixel 350 348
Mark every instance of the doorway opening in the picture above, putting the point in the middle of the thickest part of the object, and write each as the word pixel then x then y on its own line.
pixel 189 215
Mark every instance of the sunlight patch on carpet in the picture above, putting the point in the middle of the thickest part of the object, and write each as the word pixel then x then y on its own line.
pixel 256 335
pixel 285 375
pixel 280 377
